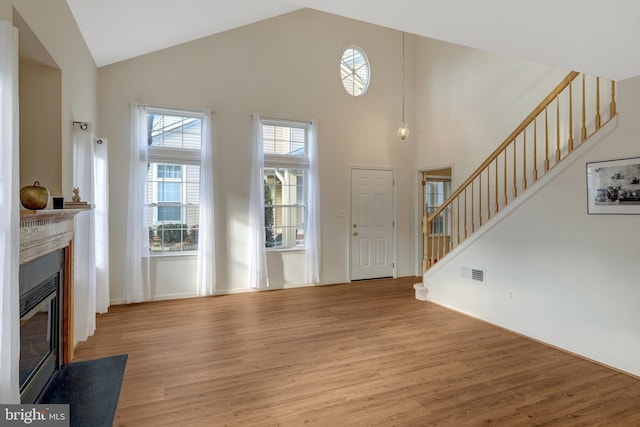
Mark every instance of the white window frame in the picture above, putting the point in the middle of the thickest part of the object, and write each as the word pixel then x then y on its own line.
pixel 155 188
pixel 350 72
pixel 175 156
pixel 278 161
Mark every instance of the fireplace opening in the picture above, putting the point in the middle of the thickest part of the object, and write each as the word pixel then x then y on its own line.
pixel 40 323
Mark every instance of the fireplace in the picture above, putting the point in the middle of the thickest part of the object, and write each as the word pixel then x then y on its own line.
pixel 40 323
pixel 46 297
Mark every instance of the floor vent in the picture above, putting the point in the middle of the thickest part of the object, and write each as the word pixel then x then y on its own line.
pixel 475 274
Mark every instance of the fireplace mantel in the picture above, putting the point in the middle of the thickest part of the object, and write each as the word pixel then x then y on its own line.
pixel 45 231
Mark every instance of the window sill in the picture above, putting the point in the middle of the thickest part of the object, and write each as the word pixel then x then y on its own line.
pixel 293 250
pixel 188 255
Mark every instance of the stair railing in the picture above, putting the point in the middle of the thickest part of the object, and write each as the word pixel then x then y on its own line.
pixel 546 137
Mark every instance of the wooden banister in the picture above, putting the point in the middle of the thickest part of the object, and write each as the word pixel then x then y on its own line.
pixel 526 122
pixel 524 159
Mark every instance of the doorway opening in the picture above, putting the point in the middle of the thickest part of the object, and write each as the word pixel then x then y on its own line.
pixel 435 188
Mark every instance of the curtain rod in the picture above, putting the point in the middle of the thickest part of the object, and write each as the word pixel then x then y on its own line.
pixel 82 125
pixel 275 119
pixel 174 110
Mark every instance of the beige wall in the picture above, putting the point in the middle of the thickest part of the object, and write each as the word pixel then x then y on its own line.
pixel 285 67
pixel 470 101
pixel 54 26
pixel 40 127
pixel 6 10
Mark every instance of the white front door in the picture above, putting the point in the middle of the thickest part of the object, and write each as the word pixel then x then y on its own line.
pixel 371 224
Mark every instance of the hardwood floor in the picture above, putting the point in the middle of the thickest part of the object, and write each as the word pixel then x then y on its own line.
pixel 365 353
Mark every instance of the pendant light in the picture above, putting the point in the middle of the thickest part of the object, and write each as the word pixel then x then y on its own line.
pixel 403 129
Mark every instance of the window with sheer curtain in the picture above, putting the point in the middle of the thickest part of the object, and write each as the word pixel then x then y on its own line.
pixel 286 164
pixel 284 208
pixel 173 181
pixel 9 217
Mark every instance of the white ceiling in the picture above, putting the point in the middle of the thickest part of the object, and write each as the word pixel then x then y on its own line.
pixel 594 36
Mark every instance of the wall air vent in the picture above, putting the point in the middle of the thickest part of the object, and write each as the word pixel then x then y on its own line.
pixel 475 274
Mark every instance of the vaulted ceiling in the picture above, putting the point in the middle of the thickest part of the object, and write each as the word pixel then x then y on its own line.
pixel 593 36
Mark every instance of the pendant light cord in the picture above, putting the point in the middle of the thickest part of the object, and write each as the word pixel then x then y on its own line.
pixel 403 76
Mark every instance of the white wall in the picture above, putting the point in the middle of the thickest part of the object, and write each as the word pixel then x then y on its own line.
pixel 573 275
pixel 285 67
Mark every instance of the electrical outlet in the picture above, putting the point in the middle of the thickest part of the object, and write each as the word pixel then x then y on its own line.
pixel 512 294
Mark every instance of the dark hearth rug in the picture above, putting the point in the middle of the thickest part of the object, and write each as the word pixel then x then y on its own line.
pixel 91 388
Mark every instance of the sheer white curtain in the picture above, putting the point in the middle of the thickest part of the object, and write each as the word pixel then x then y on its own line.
pixel 137 254
pixel 91 258
pixel 206 242
pixel 101 201
pixel 312 233
pixel 258 277
pixel 9 216
pixel 84 256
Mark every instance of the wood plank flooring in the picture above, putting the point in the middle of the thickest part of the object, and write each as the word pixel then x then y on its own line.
pixel 358 354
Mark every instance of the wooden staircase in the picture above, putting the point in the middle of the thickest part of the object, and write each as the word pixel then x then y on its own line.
pixel 564 120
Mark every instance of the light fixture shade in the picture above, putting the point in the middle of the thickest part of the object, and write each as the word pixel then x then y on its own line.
pixel 403 130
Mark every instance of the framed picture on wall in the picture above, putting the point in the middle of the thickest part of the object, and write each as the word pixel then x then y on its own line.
pixel 613 187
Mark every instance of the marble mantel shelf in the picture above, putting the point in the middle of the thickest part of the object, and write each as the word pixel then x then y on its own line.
pixel 44 231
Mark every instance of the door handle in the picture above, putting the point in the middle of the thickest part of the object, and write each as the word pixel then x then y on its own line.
pixel 355 233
